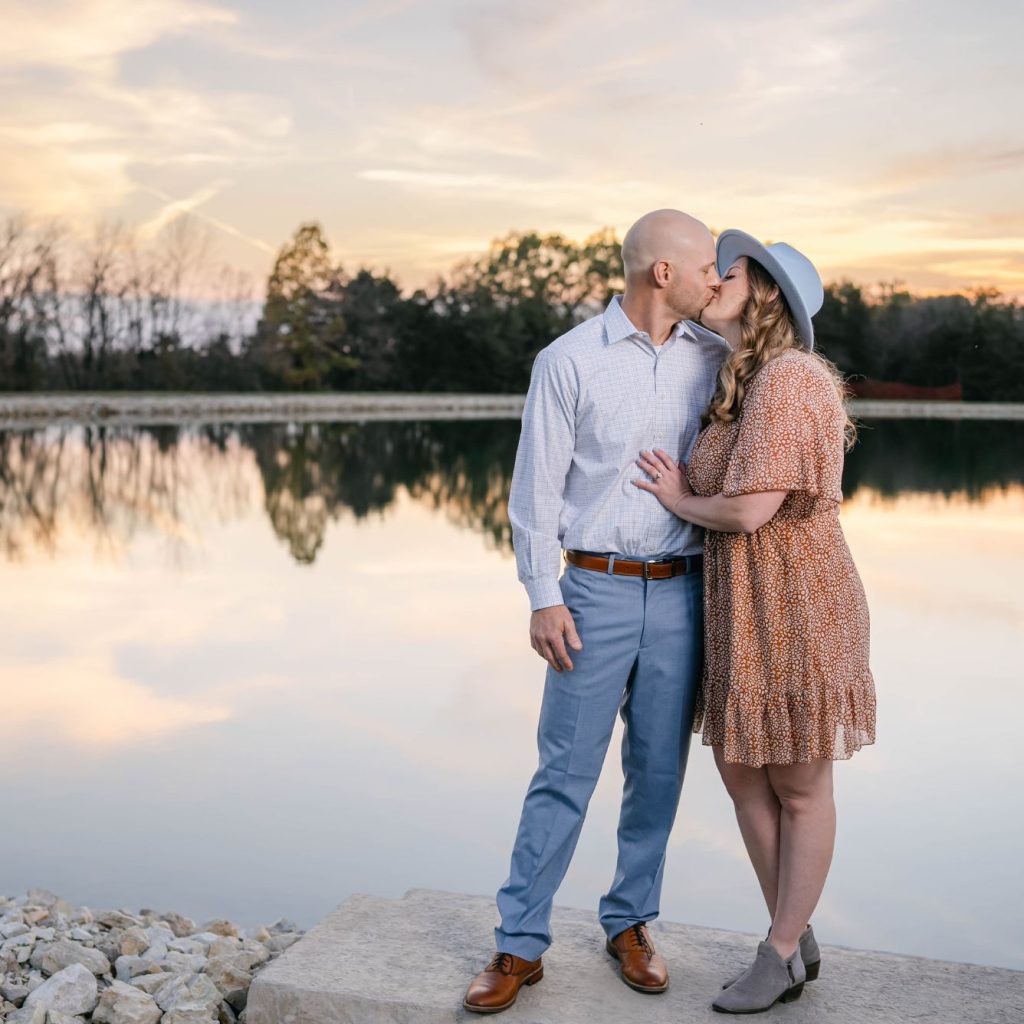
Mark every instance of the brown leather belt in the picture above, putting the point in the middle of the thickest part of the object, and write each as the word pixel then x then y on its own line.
pixel 662 569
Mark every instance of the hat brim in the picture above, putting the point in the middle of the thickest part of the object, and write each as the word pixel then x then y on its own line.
pixel 733 244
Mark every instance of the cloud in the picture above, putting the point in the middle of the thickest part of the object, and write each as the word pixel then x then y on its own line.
pixel 79 142
pixel 81 700
pixel 89 35
pixel 176 208
pixel 401 124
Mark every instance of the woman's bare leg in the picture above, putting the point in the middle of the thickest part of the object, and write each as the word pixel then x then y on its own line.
pixel 807 837
pixel 757 812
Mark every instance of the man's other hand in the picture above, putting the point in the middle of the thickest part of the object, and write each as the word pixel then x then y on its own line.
pixel 550 630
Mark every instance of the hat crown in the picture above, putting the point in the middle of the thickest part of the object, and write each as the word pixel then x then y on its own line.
pixel 789 268
pixel 801 273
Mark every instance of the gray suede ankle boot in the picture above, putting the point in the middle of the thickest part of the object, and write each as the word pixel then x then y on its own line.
pixel 767 981
pixel 809 953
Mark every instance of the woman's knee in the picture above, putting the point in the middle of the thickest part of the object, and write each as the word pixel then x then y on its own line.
pixel 802 788
pixel 744 784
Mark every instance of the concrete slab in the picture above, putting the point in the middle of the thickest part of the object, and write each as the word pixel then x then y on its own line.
pixel 408 961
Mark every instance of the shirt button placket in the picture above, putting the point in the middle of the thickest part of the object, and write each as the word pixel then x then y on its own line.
pixel 655 431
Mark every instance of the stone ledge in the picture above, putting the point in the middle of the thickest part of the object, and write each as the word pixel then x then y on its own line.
pixel 408 961
pixel 34 409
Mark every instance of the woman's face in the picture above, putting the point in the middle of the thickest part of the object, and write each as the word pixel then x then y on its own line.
pixel 731 298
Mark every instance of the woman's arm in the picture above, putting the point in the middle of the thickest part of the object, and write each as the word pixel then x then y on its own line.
pixel 743 513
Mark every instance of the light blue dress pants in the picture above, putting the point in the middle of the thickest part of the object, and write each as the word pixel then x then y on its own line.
pixel 641 658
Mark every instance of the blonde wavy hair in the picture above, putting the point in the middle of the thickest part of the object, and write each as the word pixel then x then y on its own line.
pixel 767 330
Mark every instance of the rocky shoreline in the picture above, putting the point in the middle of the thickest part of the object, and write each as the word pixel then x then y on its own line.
pixel 62 964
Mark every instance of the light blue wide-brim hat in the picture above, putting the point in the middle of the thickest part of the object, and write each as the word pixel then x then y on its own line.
pixel 791 270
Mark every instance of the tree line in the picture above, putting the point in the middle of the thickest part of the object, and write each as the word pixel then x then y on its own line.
pixel 114 314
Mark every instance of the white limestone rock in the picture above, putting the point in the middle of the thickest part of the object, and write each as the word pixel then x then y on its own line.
pixel 150 983
pixel 280 942
pixel 181 926
pixel 109 944
pixel 232 977
pixel 183 963
pixel 206 938
pixel 65 952
pixel 134 941
pixel 125 1004
pixel 189 1017
pixel 14 992
pixel 72 991
pixel 284 925
pixel 159 937
pixel 39 951
pixel 256 951
pixel 221 927
pixel 28 1015
pixel 189 994
pixel 127 967
pixel 118 919
pixel 224 947
pixel 56 1017
pixel 188 945
pixel 58 919
pixel 41 897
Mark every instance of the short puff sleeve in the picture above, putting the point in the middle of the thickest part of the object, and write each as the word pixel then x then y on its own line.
pixel 790 431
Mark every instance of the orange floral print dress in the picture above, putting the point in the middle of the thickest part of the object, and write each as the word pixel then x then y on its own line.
pixel 786 676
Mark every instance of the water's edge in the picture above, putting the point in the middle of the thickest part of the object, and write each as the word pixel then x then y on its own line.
pixel 25 411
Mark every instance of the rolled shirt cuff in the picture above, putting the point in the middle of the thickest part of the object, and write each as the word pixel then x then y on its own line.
pixel 544 592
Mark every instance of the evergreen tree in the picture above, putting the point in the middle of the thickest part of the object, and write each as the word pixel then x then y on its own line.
pixel 302 333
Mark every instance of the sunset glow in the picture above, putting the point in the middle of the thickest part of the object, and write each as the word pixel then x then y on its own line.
pixel 882 139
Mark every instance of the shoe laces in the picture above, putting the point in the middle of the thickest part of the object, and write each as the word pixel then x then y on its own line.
pixel 502 962
pixel 640 939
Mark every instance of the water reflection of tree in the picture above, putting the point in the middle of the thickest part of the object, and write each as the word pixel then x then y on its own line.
pixel 110 482
pixel 947 457
pixel 312 473
pixel 114 482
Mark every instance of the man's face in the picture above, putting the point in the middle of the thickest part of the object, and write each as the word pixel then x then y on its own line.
pixel 694 279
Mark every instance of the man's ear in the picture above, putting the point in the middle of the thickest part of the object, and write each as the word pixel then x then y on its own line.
pixel 661 271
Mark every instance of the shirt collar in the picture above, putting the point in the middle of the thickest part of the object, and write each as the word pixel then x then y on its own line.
pixel 618 326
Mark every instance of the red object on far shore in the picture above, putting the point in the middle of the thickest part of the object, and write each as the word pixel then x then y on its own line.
pixel 867 388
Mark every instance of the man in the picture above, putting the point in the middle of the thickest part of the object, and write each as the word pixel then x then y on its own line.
pixel 629 607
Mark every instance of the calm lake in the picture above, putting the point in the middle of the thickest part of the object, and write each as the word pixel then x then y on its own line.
pixel 248 671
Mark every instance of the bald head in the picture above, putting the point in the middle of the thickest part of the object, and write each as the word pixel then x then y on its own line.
pixel 669 260
pixel 663 235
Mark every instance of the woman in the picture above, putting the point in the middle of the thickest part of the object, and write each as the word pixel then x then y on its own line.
pixel 787 689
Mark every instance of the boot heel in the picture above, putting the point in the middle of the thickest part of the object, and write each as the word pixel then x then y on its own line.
pixel 812 970
pixel 792 994
pixel 534 978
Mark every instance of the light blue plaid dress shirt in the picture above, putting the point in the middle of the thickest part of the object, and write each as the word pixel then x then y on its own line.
pixel 598 395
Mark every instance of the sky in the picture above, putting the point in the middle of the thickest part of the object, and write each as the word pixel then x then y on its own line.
pixel 883 139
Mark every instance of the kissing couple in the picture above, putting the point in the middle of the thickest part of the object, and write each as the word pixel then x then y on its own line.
pixel 684 451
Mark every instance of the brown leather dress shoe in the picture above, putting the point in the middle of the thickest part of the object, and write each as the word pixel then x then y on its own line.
pixel 495 988
pixel 641 967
